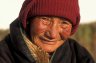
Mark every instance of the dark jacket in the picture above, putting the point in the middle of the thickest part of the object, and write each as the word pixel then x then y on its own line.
pixel 14 50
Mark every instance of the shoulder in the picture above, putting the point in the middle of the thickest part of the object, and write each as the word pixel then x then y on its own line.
pixel 5 53
pixel 81 53
pixel 3 43
pixel 75 46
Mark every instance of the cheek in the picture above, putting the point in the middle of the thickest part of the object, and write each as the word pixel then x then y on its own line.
pixel 38 28
pixel 65 33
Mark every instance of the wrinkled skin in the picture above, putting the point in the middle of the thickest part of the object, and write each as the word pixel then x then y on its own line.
pixel 49 33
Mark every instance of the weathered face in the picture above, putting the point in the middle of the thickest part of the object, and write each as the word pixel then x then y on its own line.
pixel 49 33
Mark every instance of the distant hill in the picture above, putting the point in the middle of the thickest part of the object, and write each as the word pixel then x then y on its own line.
pixel 3 33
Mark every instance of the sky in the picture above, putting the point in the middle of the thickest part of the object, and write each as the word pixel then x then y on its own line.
pixel 9 11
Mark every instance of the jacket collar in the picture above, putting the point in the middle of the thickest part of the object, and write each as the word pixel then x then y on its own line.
pixel 17 40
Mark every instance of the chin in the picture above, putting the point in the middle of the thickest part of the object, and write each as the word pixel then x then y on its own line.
pixel 49 48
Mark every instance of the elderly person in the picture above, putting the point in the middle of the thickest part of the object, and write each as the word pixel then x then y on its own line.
pixel 41 34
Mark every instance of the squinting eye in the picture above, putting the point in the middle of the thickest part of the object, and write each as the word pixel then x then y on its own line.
pixel 45 20
pixel 65 24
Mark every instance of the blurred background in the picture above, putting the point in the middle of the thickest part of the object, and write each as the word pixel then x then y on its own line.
pixel 86 34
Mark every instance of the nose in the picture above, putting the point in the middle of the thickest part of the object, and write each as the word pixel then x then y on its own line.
pixel 53 31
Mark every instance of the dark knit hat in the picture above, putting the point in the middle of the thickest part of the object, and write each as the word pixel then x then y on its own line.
pixel 68 9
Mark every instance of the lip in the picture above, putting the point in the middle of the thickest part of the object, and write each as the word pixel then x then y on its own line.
pixel 49 41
